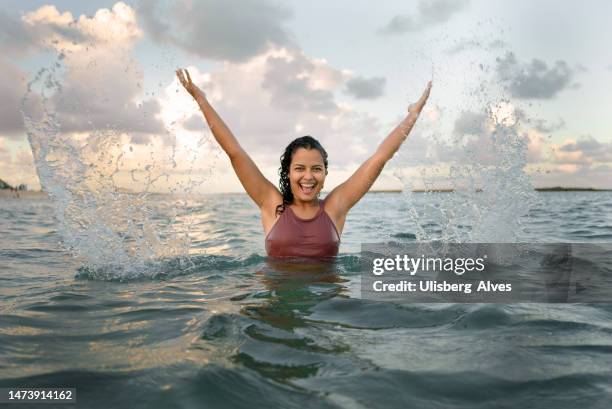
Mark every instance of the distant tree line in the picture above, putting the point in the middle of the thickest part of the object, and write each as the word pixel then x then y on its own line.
pixel 21 187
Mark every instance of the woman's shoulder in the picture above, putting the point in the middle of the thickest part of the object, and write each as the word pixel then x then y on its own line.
pixel 331 204
pixel 333 211
pixel 268 210
pixel 272 199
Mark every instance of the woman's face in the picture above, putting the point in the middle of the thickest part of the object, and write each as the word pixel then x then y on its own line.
pixel 306 174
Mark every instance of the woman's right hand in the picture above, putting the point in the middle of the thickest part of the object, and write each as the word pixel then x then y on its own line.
pixel 185 79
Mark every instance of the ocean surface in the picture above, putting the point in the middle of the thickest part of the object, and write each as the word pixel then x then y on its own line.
pixel 224 328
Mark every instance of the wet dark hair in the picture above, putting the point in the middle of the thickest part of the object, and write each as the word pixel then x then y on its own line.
pixel 306 142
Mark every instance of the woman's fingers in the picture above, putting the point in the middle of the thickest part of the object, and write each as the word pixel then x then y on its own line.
pixel 417 107
pixel 185 79
pixel 179 75
pixel 425 95
pixel 421 102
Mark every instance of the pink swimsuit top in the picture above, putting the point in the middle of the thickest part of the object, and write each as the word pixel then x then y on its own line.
pixel 306 238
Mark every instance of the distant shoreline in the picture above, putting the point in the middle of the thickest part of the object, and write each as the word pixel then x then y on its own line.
pixel 31 194
pixel 570 189
pixel 25 194
pixel 538 189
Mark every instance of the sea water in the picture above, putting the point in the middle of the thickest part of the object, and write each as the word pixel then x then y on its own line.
pixel 230 330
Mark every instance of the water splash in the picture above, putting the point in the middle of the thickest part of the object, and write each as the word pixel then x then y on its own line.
pixel 112 229
pixel 468 155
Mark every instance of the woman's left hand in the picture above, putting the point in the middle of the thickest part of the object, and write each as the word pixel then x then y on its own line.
pixel 416 108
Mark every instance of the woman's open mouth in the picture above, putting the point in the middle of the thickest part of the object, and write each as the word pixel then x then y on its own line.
pixel 307 188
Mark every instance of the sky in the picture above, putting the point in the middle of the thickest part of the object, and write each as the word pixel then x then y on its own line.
pixel 342 71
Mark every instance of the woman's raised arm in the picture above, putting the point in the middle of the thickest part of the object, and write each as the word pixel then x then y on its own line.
pixel 260 189
pixel 343 197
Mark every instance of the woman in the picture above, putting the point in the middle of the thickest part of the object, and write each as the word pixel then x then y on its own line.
pixel 295 221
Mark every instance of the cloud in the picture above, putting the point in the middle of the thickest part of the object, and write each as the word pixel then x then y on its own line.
pixel 469 44
pixel 104 97
pixel 14 37
pixel 94 83
pixel 573 175
pixel 537 147
pixel 116 27
pixel 472 141
pixel 4 152
pixel 539 124
pixel 290 80
pixel 581 68
pixel 35 31
pixel 545 126
pixel 195 123
pixel 365 88
pixel 586 150
pixel 522 141
pixel 46 27
pixel 477 138
pixel 534 80
pixel 582 163
pixel 215 29
pixel 429 13
pixel 100 82
pixel 17 166
pixel 12 89
pixel 471 123
pixel 479 128
pixel 276 97
pixel 570 163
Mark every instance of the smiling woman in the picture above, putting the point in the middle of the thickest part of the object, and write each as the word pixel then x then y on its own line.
pixel 295 221
pixel 302 176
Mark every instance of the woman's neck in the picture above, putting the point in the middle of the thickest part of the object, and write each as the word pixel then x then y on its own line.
pixel 305 206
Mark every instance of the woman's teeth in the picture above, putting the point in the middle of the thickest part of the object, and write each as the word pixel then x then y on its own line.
pixel 307 188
